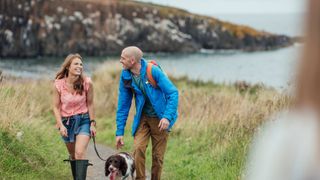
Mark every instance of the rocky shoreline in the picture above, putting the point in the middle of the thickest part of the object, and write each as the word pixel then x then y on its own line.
pixel 30 28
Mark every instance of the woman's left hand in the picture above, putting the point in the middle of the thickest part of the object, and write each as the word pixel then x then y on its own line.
pixel 93 131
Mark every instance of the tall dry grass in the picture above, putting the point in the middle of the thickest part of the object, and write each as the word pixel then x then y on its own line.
pixel 204 107
pixel 24 102
pixel 105 82
pixel 30 145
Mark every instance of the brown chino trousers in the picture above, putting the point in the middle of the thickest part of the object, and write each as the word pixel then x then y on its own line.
pixel 149 128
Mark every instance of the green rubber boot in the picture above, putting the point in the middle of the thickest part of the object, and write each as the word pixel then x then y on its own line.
pixel 73 168
pixel 81 169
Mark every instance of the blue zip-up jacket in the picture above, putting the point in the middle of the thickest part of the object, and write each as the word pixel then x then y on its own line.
pixel 164 98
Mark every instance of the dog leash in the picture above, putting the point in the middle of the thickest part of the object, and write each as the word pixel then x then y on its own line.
pixel 95 148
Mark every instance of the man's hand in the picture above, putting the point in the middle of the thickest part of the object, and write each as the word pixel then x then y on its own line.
pixel 164 124
pixel 119 142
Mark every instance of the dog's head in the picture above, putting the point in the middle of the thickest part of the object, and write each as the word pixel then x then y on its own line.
pixel 115 165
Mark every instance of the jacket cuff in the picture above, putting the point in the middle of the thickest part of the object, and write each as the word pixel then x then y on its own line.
pixel 120 132
pixel 167 117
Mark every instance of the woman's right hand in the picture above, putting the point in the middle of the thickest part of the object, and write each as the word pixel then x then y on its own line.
pixel 63 131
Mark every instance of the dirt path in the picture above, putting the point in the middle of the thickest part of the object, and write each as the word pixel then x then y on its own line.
pixel 96 172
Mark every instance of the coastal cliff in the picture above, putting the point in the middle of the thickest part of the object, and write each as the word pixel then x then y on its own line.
pixel 30 28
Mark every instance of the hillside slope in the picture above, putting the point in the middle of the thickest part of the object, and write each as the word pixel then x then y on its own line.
pixel 31 28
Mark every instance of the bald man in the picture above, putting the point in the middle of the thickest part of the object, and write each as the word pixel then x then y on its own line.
pixel 156 110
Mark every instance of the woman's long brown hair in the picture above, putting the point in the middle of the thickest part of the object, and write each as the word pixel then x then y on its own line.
pixel 64 72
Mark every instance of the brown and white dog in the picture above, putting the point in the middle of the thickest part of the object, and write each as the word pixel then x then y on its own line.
pixel 119 166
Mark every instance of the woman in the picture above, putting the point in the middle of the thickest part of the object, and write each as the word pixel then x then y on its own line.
pixel 74 110
pixel 289 146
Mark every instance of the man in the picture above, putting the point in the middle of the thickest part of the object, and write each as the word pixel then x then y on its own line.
pixel 156 110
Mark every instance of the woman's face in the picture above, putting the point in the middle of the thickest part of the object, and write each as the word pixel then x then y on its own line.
pixel 76 67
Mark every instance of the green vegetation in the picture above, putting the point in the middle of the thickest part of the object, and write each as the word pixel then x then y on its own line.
pixel 30 147
pixel 38 155
pixel 209 141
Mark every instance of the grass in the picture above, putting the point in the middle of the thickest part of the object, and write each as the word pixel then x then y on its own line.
pixel 209 141
pixel 29 144
pixel 36 156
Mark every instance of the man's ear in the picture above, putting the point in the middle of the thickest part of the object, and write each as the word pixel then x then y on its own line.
pixel 132 60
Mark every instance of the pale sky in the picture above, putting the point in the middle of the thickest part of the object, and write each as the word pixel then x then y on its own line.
pixel 212 7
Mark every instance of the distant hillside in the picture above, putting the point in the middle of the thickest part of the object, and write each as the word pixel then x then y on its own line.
pixel 30 28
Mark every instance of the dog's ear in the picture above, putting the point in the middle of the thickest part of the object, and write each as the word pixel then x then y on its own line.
pixel 133 168
pixel 106 167
pixel 123 166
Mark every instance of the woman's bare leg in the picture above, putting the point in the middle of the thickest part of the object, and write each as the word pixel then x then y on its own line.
pixel 81 145
pixel 71 149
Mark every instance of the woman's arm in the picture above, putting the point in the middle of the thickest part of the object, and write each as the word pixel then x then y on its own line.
pixel 56 107
pixel 90 102
pixel 56 112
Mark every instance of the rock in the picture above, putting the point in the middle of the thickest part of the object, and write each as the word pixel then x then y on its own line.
pixel 30 28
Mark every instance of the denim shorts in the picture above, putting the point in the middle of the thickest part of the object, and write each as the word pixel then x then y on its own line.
pixel 76 124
